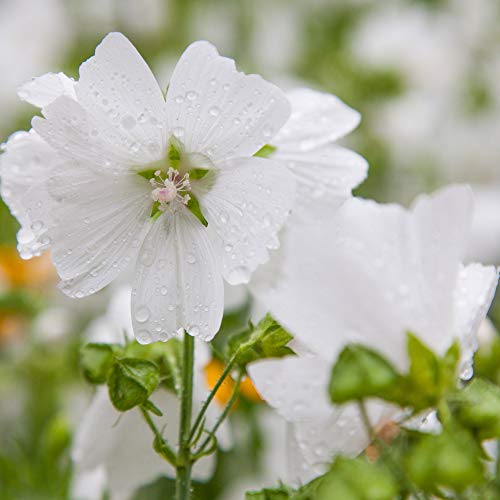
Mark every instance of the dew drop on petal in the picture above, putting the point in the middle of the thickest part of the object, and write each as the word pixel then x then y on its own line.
pixel 194 330
pixel 240 274
pixel 214 111
pixel 143 337
pixel 142 314
pixel 128 122
pixel 37 225
pixel 191 259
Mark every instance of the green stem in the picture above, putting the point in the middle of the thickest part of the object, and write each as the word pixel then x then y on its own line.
pixel 391 463
pixel 211 396
pixel 184 464
pixel 160 445
pixel 222 416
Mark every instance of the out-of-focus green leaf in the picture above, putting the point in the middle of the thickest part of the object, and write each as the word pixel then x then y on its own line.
pixel 451 459
pixel 357 479
pixel 131 382
pixel 360 373
pixel 96 361
pixel 477 407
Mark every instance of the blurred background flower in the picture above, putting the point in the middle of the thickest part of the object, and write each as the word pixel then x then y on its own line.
pixel 425 75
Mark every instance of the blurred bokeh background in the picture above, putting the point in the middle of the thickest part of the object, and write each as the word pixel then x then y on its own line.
pixel 425 74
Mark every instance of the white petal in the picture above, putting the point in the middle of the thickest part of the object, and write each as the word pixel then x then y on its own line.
pixel 317 119
pixel 88 485
pixel 370 274
pixel 41 91
pixel 325 176
pixel 216 110
pixel 296 387
pixel 117 87
pixel 178 282
pixel 246 206
pixel 96 433
pixel 24 167
pixel 473 295
pixel 101 222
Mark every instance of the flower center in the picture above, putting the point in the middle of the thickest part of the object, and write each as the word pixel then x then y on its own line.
pixel 169 190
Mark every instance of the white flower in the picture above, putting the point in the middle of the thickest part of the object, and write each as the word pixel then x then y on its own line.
pixel 369 275
pixel 325 172
pixel 112 450
pixel 107 198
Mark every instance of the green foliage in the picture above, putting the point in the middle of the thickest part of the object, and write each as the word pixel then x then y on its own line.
pixel 266 340
pixel 131 381
pixel 477 407
pixel 357 479
pixel 451 459
pixel 360 373
pixel 96 361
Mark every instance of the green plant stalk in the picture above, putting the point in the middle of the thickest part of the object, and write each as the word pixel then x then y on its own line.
pixel 184 463
pixel 167 452
pixel 214 390
pixel 222 417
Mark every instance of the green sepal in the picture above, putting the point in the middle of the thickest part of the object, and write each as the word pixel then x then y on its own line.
pixel 266 340
pixel 451 459
pixel 360 373
pixel 198 173
pixel 150 406
pixel 477 407
pixel 96 360
pixel 265 151
pixel 357 479
pixel 194 207
pixel 148 174
pixel 155 210
pixel 174 155
pixel 131 381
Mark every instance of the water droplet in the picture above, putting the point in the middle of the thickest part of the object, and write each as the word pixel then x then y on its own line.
pixel 163 290
pixel 37 225
pixel 240 274
pixel 194 330
pixel 94 272
pixel 228 247
pixel 267 131
pixel 142 314
pixel 214 111
pixel 128 122
pixel 179 99
pixel 192 95
pixel 25 236
pixel 143 337
pixel 223 217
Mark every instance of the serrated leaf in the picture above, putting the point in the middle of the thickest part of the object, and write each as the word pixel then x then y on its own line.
pixel 266 340
pixel 131 381
pixel 96 361
pixel 477 407
pixel 357 479
pixel 360 373
pixel 451 459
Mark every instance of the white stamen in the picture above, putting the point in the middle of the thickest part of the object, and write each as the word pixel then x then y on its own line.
pixel 170 190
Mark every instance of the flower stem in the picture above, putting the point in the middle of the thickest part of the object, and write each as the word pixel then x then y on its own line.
pixel 160 445
pixel 211 396
pixel 184 464
pixel 222 416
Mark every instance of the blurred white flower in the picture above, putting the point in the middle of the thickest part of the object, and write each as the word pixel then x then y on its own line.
pixel 112 450
pixel 33 37
pixel 367 275
pixel 99 215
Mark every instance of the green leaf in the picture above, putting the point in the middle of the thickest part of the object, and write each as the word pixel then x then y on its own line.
pixel 357 479
pixel 266 340
pixel 477 407
pixel 281 493
pixel 96 361
pixel 265 151
pixel 131 382
pixel 360 373
pixel 194 206
pixel 166 355
pixel 451 459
